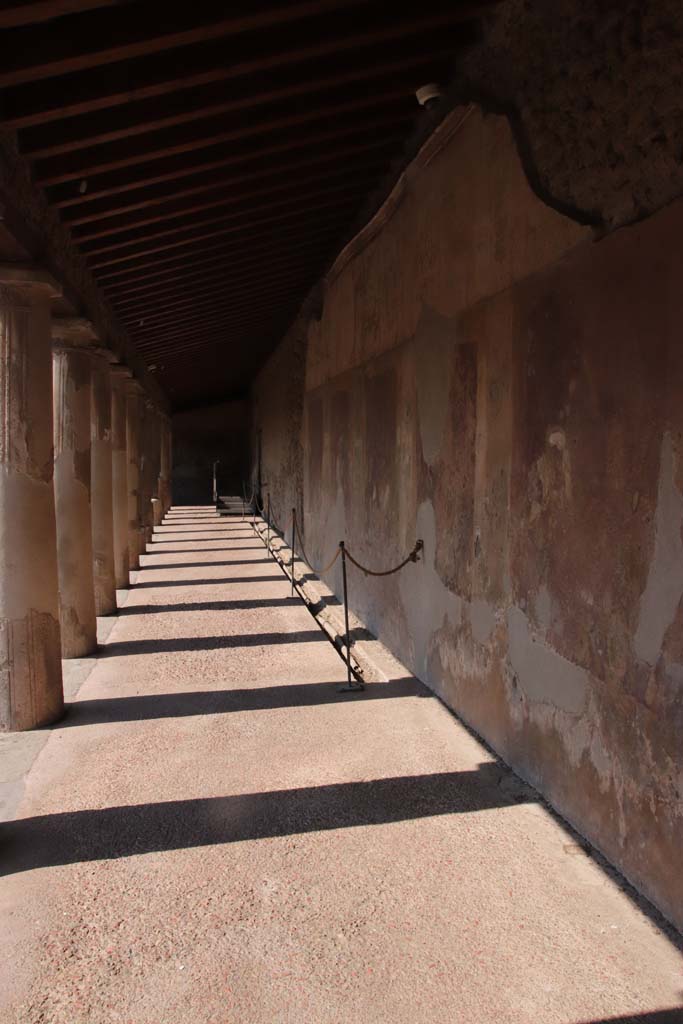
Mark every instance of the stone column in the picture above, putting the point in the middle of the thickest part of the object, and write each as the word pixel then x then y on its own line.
pixel 134 400
pixel 72 390
pixel 147 476
pixel 102 484
pixel 155 463
pixel 119 376
pixel 30 666
pixel 165 464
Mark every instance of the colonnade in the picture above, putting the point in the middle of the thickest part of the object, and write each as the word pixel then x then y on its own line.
pixel 85 465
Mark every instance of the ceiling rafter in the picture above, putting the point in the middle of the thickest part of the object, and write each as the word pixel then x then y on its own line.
pixel 220 198
pixel 70 136
pixel 114 184
pixel 137 236
pixel 233 229
pixel 59 50
pixel 137 307
pixel 209 163
pixel 201 299
pixel 48 10
pixel 374 150
pixel 204 135
pixel 136 82
pixel 202 245
pixel 178 276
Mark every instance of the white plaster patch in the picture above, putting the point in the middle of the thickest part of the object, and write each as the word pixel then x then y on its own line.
pixel 543 607
pixel 544 675
pixel 659 601
pixel 482 620
pixel 426 600
pixel 557 439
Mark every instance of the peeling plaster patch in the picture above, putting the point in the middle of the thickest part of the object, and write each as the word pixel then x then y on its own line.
pixel 543 607
pixel 482 620
pixel 427 602
pixel 601 760
pixel 544 675
pixel 664 587
pixel 558 439
pixel 435 337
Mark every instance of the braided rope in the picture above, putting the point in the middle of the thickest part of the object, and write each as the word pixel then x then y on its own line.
pixel 412 557
pixel 318 572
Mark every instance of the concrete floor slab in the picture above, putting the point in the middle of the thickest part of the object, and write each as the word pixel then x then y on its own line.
pixel 214 834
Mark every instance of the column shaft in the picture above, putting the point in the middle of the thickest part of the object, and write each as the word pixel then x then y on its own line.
pixel 146 485
pixel 102 495
pixel 133 427
pixel 119 476
pixel 165 465
pixel 72 387
pixel 30 665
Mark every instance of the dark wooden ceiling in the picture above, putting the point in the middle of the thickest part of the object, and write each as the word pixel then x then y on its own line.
pixel 209 158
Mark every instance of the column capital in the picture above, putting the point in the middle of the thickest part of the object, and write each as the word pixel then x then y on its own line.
pixel 102 352
pixel 73 332
pixel 26 277
pixel 120 372
pixel 134 387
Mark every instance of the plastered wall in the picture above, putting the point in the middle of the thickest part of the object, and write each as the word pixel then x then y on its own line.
pixel 487 377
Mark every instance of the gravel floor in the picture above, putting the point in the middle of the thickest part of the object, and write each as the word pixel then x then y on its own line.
pixel 214 834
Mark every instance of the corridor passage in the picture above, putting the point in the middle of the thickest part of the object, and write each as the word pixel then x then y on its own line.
pixel 214 834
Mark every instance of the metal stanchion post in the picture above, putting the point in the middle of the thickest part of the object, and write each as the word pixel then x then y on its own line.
pixel 351 683
pixel 268 525
pixel 215 483
pixel 291 564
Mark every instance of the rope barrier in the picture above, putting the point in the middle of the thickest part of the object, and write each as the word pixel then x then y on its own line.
pixel 412 557
pixel 353 683
pixel 318 572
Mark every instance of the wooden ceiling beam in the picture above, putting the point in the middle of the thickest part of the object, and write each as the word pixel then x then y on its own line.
pixel 178 277
pixel 199 346
pixel 190 222
pixel 113 184
pixel 140 305
pixel 373 151
pixel 324 225
pixel 161 344
pixel 97 130
pixel 216 333
pixel 34 54
pixel 219 317
pixel 206 294
pixel 112 261
pixel 48 10
pixel 122 84
pixel 201 135
pixel 137 296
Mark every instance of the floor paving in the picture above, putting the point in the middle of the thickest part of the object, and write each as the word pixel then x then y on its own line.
pixel 215 835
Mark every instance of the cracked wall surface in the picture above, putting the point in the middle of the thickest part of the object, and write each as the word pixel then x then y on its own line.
pixel 487 377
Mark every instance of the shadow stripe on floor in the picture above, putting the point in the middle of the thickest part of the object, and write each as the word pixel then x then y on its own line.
pixel 112 832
